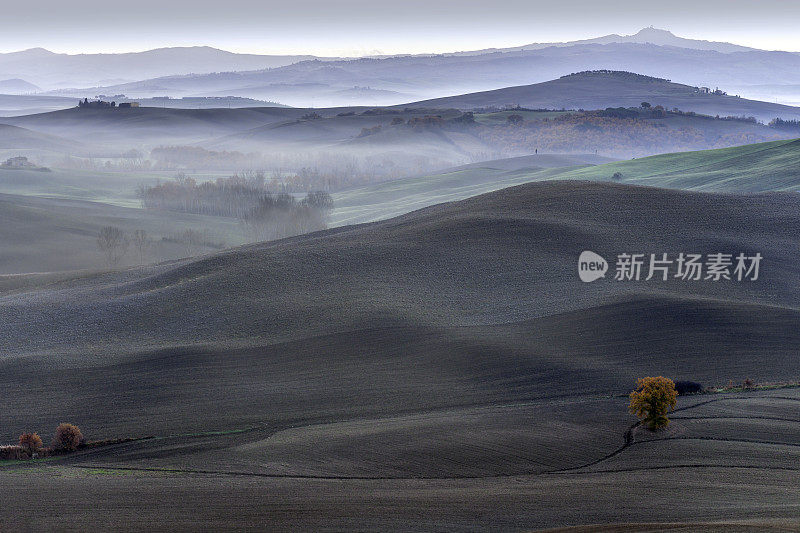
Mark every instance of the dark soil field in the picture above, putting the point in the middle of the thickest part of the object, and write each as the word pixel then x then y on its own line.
pixel 442 370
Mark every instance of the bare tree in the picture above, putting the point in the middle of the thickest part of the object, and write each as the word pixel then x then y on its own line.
pixel 142 243
pixel 112 242
pixel 193 240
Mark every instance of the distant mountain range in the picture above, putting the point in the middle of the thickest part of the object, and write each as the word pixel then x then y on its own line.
pixel 649 35
pixel 50 70
pixel 398 79
pixel 308 81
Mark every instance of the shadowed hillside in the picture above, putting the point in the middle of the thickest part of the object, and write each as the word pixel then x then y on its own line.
pixel 503 263
pixel 12 137
pixel 47 234
pixel 151 124
pixel 441 354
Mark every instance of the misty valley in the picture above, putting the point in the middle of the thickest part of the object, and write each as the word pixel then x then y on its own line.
pixel 548 286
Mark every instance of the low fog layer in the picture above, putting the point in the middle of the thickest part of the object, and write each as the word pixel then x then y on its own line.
pixel 187 181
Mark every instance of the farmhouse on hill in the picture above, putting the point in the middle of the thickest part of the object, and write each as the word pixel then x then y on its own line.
pixel 21 163
pixel 18 162
pixel 102 104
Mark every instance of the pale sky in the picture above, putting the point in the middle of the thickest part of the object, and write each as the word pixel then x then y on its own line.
pixel 360 27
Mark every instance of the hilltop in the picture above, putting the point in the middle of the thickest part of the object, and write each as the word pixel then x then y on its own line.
pixel 13 137
pixel 151 124
pixel 601 89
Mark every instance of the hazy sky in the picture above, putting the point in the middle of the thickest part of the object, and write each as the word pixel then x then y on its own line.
pixel 358 27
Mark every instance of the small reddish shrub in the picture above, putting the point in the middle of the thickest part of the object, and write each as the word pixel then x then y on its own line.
pixel 44 452
pixel 68 437
pixel 30 442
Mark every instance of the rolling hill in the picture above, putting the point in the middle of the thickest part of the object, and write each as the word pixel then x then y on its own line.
pixel 152 125
pixel 385 200
pixel 17 86
pixel 14 137
pixel 750 168
pixel 447 356
pixel 384 136
pixel 13 105
pixel 50 234
pixel 756 168
pixel 534 224
pixel 602 89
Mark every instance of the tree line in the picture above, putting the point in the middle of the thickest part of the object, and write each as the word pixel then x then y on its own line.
pixel 265 214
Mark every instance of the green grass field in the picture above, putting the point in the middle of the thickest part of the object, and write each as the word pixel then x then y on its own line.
pixel 773 166
pixel 751 168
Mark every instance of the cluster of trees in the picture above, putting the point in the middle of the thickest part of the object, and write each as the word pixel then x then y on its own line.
pixel 330 172
pixel 228 197
pixel 130 161
pixel 267 215
pixel 617 132
pixel 366 132
pixel 309 170
pixel 789 125
pixel 67 438
pixel 621 74
pixel 114 244
pixel 175 157
pixel 739 118
pixel 427 122
pixel 276 216
pixel 193 241
pixel 644 111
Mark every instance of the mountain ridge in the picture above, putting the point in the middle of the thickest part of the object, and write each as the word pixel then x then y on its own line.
pixel 648 35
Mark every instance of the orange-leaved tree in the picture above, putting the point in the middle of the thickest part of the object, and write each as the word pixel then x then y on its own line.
pixel 68 437
pixel 653 398
pixel 31 442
